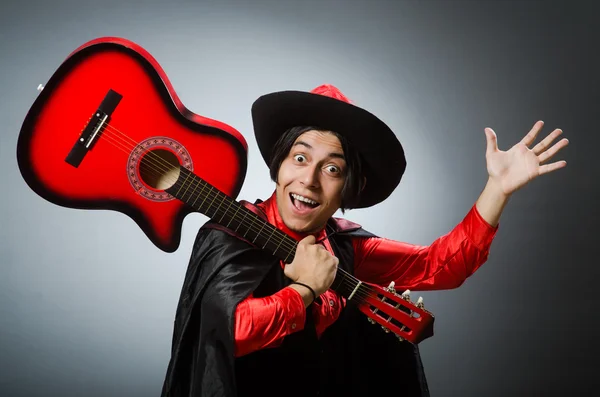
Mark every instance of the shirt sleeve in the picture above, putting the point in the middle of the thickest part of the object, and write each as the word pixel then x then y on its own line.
pixel 445 264
pixel 326 310
pixel 263 322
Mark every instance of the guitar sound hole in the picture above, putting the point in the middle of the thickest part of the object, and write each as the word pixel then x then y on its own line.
pixel 159 169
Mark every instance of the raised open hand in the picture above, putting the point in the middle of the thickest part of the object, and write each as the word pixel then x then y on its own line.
pixel 513 169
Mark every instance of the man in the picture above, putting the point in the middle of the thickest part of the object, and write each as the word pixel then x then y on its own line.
pixel 248 323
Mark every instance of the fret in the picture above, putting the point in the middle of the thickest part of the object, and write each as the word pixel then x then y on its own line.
pixel 225 212
pixel 183 183
pixel 258 234
pixel 211 203
pixel 246 226
pixel 269 238
pixel 245 214
pixel 233 217
pixel 226 218
pixel 188 183
pixel 249 227
pixel 251 223
pixel 217 210
pixel 205 197
pixel 185 191
pixel 193 192
pixel 287 244
pixel 198 182
pixel 200 193
pixel 286 260
pixel 276 248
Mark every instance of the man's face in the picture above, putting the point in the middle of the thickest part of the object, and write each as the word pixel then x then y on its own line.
pixel 314 171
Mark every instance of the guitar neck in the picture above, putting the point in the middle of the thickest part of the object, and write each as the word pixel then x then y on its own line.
pixel 206 199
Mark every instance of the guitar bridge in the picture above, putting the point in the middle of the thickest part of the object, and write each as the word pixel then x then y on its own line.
pixel 92 130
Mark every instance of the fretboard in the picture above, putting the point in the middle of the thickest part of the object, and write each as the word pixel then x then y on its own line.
pixel 208 200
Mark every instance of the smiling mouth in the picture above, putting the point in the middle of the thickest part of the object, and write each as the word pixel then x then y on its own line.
pixel 303 203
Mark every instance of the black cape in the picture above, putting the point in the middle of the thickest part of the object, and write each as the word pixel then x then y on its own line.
pixel 352 358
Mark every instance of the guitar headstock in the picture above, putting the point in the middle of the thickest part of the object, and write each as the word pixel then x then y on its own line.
pixel 397 313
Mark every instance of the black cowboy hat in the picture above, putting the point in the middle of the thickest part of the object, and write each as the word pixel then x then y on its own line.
pixel 325 107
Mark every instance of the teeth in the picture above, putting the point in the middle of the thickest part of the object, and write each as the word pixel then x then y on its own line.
pixel 306 200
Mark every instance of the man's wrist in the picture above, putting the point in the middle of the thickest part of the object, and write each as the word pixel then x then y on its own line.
pixel 305 293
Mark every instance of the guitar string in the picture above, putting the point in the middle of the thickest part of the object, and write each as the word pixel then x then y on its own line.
pixel 287 244
pixel 346 282
pixel 368 288
pixel 358 292
pixel 175 183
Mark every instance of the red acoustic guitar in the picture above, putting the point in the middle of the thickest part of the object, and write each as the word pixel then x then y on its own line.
pixel 108 132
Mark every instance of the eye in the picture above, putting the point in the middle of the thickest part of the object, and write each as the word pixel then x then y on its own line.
pixel 300 158
pixel 333 169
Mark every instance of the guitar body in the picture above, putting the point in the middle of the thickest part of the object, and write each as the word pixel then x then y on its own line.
pixel 149 118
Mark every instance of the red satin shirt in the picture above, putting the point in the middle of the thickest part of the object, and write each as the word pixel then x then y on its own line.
pixel 445 264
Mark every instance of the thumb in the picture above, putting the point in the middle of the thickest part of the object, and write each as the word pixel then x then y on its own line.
pixel 492 141
pixel 308 240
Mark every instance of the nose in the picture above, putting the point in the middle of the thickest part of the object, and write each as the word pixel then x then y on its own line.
pixel 310 177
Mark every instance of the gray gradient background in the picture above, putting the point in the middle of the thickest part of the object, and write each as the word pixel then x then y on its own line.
pixel 87 302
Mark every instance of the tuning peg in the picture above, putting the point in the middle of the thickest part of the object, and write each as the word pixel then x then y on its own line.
pixel 420 304
pixel 40 87
pixel 371 320
pixel 390 288
pixel 385 329
pixel 399 338
pixel 406 295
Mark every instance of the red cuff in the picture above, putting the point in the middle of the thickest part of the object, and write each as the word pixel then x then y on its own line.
pixel 264 322
pixel 327 311
pixel 478 230
pixel 293 309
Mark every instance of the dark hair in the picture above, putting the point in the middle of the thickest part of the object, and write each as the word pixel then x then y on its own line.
pixel 354 181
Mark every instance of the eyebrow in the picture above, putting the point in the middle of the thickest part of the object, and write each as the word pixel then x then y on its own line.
pixel 332 154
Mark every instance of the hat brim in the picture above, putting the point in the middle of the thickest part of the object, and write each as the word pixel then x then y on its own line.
pixel 382 154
